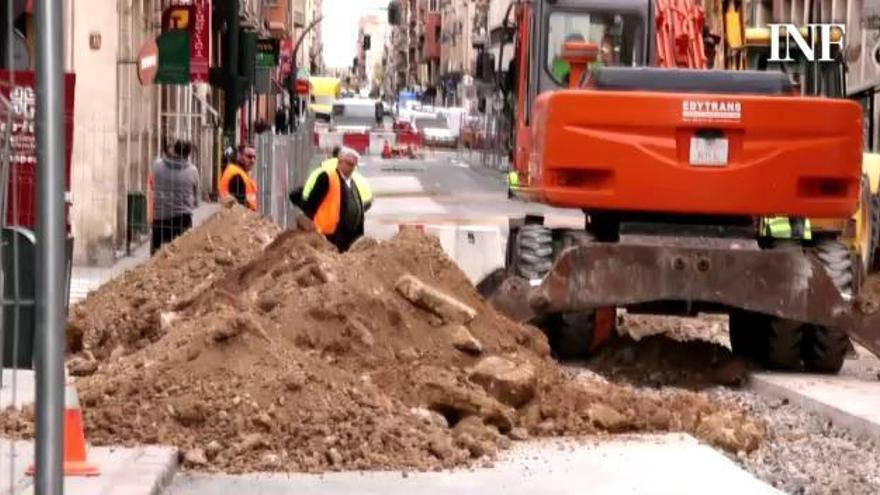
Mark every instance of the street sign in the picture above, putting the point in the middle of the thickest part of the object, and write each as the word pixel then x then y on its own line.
pixel 178 17
pixel 267 52
pixel 148 62
pixel 200 43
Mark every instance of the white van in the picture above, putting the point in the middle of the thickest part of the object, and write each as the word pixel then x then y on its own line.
pixel 357 115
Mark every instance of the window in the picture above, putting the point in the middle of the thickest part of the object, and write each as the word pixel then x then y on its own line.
pixel 619 38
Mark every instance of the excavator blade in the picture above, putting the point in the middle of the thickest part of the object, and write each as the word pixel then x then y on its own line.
pixel 785 284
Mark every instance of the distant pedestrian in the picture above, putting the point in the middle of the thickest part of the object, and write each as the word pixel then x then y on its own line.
pixel 282 125
pixel 236 182
pixel 174 183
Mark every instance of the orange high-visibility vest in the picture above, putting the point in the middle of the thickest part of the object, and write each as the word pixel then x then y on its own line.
pixel 327 217
pixel 232 171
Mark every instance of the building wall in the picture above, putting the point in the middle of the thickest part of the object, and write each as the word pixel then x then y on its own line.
pixel 433 28
pixel 95 171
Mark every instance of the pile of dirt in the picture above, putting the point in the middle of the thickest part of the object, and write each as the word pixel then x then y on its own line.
pixel 661 361
pixel 303 359
pixel 123 315
pixel 869 298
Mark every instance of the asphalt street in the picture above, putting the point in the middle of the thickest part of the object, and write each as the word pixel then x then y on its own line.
pixel 444 188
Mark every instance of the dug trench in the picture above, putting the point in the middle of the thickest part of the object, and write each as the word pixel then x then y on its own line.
pixel 252 349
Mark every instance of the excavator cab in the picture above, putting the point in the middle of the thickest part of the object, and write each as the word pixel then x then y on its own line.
pixel 674 169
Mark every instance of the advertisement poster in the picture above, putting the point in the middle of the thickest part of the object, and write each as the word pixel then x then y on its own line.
pixel 22 95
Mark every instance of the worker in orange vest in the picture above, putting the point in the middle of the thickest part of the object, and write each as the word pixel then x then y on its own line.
pixel 236 181
pixel 338 200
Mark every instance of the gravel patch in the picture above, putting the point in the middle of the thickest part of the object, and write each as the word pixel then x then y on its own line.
pixel 805 453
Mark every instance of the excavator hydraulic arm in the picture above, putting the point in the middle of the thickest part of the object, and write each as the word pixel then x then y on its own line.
pixel 679 26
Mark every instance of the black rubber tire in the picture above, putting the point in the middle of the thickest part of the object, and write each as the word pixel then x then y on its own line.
pixel 571 334
pixel 534 252
pixel 784 344
pixel 824 349
pixel 748 333
pixel 838 261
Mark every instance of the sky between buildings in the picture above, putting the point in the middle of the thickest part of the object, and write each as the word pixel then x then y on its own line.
pixel 340 28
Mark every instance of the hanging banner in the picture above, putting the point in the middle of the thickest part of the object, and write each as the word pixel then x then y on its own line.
pixel 22 205
pixel 286 62
pixel 200 44
pixel 173 57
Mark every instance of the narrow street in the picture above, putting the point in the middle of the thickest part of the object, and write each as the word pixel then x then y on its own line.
pixel 445 189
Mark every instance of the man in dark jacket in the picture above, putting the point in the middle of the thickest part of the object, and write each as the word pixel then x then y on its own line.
pixel 174 181
pixel 337 204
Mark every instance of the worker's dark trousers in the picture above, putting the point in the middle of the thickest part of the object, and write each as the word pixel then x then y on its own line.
pixel 165 231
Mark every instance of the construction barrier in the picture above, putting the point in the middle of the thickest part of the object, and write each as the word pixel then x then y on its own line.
pixel 358 141
pixel 365 143
pixel 378 140
pixel 478 250
pixel 283 164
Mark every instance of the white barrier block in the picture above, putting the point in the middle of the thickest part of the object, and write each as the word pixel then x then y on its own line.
pixel 446 235
pixel 479 249
pixel 327 140
pixel 476 249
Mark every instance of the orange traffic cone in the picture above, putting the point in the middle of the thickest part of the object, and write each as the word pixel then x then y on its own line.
pixel 75 463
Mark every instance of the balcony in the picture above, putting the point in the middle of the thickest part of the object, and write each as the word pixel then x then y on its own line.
pixel 432 36
pixel 277 18
pixel 299 13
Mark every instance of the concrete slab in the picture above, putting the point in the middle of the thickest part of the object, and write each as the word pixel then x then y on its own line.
pixel 847 401
pixel 17 388
pixel 138 471
pixel 657 465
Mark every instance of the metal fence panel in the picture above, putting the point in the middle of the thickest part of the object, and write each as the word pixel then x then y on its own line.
pixel 283 164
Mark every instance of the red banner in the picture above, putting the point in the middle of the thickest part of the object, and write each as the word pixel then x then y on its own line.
pixel 286 60
pixel 200 46
pixel 21 204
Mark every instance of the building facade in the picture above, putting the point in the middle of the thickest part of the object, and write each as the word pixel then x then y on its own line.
pixel 121 124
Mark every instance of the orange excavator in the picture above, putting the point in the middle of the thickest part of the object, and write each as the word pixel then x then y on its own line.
pixel 677 170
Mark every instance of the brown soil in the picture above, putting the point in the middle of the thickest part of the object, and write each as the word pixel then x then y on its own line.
pixel 302 359
pixel 660 360
pixel 869 299
pixel 124 314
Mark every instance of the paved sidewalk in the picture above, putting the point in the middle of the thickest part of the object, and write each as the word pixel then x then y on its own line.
pixel 17 388
pixel 137 471
pixel 850 402
pixel 87 278
pixel 653 464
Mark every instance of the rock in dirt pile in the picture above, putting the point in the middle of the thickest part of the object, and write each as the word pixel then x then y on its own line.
pixel 302 359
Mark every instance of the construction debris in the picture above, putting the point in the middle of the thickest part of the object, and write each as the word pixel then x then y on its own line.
pixel 259 371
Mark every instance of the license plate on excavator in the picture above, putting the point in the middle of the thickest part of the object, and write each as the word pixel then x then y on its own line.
pixel 709 152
